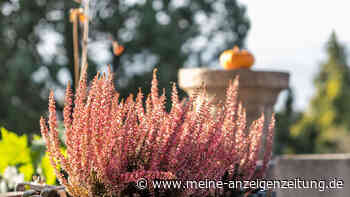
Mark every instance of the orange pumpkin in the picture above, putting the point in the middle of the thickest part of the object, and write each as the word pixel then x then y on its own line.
pixel 236 59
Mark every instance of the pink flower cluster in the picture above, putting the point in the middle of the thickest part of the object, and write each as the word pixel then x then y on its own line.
pixel 113 142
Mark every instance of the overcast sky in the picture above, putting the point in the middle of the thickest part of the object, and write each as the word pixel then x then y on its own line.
pixel 290 35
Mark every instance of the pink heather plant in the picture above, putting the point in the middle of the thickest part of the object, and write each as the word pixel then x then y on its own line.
pixel 112 143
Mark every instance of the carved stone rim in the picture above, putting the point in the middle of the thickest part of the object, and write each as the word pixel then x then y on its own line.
pixel 339 156
pixel 214 78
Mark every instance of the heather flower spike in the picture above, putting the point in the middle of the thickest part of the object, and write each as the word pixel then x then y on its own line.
pixel 112 142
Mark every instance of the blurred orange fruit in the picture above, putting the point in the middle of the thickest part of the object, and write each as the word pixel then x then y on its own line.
pixel 236 59
pixel 117 48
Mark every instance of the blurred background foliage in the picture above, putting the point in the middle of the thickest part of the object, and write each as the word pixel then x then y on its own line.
pixel 325 126
pixel 21 159
pixel 37 55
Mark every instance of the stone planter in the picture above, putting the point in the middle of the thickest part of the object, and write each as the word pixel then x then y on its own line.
pixel 258 90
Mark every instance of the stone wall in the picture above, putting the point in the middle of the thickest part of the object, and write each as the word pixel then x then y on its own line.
pixel 335 167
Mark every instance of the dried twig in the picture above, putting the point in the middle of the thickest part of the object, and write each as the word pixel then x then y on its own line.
pixel 73 19
pixel 81 15
pixel 84 43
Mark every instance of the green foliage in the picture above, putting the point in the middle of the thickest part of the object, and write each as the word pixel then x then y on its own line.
pixel 161 33
pixel 14 151
pixel 47 170
pixel 325 127
pixel 285 119
pixel 189 34
pixel 41 160
pixel 29 159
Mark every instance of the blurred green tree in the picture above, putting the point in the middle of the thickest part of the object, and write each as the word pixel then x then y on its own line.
pixel 325 126
pixel 37 54
pixel 285 119
pixel 169 35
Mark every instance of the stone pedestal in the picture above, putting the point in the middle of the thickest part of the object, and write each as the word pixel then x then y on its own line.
pixel 258 90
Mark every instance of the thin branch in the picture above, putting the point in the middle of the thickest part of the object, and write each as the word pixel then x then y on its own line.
pixel 84 43
pixel 76 52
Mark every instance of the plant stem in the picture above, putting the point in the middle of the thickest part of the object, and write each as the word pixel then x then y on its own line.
pixel 76 53
pixel 84 44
